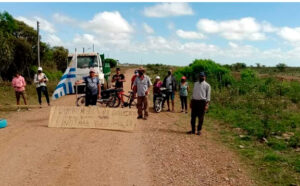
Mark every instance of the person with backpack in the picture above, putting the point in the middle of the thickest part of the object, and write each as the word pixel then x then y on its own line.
pixel 40 79
pixel 19 84
pixel 183 89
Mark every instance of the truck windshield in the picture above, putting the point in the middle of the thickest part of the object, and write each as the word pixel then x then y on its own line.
pixel 87 61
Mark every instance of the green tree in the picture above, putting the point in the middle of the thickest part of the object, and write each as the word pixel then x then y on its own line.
pixel 60 56
pixel 113 63
pixel 281 67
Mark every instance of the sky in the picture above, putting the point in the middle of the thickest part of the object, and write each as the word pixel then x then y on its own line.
pixel 170 33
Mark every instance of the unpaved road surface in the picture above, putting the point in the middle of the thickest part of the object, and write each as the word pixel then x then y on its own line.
pixel 158 152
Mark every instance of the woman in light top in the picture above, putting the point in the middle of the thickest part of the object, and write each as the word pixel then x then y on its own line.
pixel 183 87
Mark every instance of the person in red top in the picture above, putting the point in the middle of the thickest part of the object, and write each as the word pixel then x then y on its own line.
pixel 136 74
pixel 19 85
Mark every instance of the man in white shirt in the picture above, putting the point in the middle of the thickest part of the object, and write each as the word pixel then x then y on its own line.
pixel 199 103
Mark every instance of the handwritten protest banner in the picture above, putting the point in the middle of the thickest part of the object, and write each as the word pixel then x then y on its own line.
pixel 92 117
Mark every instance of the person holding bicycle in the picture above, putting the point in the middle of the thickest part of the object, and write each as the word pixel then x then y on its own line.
pixel 92 87
pixel 119 79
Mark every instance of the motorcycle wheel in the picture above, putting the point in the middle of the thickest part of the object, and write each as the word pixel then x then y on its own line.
pixel 80 101
pixel 117 101
pixel 158 105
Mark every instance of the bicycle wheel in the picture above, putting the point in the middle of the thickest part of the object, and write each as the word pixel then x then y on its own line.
pixel 111 101
pixel 117 101
pixel 80 101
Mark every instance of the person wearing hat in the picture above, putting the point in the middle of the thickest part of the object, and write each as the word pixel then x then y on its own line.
pixel 170 83
pixel 141 86
pixel 119 79
pixel 199 103
pixel 156 88
pixel 19 84
pixel 40 79
pixel 183 89
pixel 92 88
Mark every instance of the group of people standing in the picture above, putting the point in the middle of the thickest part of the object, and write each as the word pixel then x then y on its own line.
pixel 200 96
pixel 19 85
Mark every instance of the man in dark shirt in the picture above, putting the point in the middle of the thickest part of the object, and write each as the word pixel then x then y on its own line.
pixel 118 79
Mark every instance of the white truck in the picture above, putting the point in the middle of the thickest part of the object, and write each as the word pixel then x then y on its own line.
pixel 85 62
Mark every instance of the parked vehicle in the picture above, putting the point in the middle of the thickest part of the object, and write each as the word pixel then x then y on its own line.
pixel 109 98
pixel 160 99
pixel 85 62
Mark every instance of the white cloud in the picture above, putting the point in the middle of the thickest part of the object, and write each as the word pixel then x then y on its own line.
pixel 233 45
pixel 44 24
pixel 168 9
pixel 240 29
pixel 108 22
pixel 290 34
pixel 53 40
pixel 189 34
pixel 148 29
pixel 63 18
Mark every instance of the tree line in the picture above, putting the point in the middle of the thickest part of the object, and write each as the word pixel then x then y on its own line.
pixel 18 50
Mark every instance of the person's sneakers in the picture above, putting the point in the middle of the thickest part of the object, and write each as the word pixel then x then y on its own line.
pixel 181 111
pixel 168 110
pixel 186 111
pixel 190 132
pixel 18 110
pixel 140 117
pixel 198 133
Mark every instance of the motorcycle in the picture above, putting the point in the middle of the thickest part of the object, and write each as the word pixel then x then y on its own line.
pixel 160 99
pixel 109 97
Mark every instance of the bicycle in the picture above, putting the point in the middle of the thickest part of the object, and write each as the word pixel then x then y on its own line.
pixel 131 99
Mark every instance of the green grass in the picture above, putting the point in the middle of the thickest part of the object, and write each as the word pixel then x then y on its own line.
pixel 258 114
pixel 7 96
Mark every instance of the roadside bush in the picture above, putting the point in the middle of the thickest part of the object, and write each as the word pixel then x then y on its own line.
pixel 217 75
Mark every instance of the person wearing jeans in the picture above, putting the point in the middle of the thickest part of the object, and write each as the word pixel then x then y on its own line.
pixel 183 88
pixel 40 80
pixel 141 86
pixel 199 103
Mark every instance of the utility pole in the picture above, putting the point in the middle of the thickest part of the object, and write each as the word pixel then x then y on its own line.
pixel 83 50
pixel 38 43
pixel 93 47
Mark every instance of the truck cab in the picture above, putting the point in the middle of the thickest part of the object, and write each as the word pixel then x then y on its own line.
pixel 85 62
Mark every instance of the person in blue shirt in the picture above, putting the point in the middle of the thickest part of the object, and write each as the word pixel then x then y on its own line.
pixel 92 88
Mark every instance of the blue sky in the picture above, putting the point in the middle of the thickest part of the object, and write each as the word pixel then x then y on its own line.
pixel 171 33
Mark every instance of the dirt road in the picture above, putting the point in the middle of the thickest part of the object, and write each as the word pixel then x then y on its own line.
pixel 158 152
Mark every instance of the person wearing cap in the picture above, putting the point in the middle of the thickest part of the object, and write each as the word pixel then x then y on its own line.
pixel 199 103
pixel 156 88
pixel 92 88
pixel 119 79
pixel 40 79
pixel 170 83
pixel 141 86
pixel 183 89
pixel 19 84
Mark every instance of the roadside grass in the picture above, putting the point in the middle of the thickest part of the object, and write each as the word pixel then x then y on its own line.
pixel 259 119
pixel 8 98
pixel 268 166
